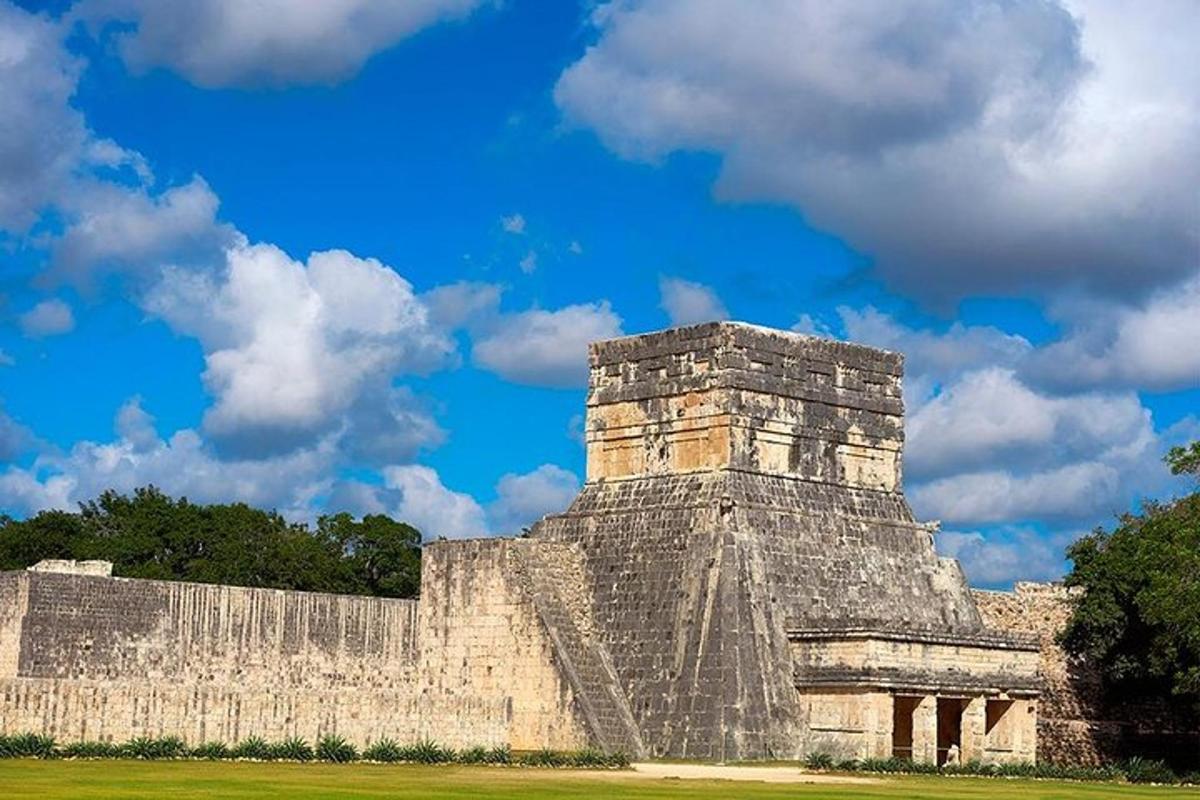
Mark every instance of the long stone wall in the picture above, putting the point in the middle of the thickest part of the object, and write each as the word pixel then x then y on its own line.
pixel 87 657
pixel 1076 724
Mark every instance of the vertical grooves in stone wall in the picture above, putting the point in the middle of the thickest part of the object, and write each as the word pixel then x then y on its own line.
pixel 555 578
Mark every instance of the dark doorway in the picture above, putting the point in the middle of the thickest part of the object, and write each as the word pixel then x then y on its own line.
pixel 902 726
pixel 949 726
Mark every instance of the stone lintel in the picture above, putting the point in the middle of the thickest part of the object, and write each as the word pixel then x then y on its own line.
pixel 988 639
pixel 943 684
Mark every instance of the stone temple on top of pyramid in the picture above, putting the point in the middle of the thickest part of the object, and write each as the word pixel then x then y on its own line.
pixel 740 577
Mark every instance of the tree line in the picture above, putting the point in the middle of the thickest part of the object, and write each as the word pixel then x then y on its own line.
pixel 151 535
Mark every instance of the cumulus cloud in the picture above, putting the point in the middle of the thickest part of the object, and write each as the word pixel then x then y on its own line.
pixel 290 346
pixel 1152 345
pixel 687 303
pixel 988 416
pixel 524 499
pixel 426 504
pixel 47 318
pixel 545 348
pixel 181 465
pixel 388 424
pixel 42 139
pixel 997 557
pixel 120 229
pixel 416 494
pixel 100 193
pixel 215 43
pixel 968 146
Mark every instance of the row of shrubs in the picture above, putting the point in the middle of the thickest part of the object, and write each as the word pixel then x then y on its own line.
pixel 333 749
pixel 1133 770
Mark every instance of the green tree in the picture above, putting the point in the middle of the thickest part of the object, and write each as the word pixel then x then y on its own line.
pixel 1185 460
pixel 384 555
pixel 1138 616
pixel 151 535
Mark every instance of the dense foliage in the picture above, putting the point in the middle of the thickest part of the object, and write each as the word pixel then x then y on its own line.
pixel 1138 618
pixel 151 535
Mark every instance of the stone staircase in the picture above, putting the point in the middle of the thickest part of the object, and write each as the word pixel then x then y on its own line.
pixel 554 576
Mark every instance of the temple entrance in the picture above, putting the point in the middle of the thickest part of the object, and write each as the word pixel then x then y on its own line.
pixel 949 727
pixel 903 709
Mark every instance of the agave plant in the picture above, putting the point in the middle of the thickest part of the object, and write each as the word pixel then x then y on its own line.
pixel 213 751
pixel 336 749
pixel 292 749
pixel 254 747
pixel 385 750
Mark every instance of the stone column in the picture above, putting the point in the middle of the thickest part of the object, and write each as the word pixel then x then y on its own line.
pixel 974 721
pixel 925 730
pixel 879 725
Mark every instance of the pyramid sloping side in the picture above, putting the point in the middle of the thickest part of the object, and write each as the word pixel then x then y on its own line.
pixel 839 557
pixel 696 580
pixel 703 661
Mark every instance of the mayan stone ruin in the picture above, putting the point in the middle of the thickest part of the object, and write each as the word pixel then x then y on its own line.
pixel 740 577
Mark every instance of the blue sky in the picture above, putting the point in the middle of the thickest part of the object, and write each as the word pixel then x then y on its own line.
pixel 1004 191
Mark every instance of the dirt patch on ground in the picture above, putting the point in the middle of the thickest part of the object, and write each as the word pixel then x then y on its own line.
pixel 721 772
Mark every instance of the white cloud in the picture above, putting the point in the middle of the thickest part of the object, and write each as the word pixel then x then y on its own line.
pixel 988 416
pixel 115 228
pixel 513 224
pixel 14 437
pixel 182 465
pixel 415 494
pixel 524 499
pixel 6 360
pixel 290 346
pixel 388 424
pixel 216 43
pixel 99 191
pixel 48 318
pixel 969 147
pixel 465 303
pixel 528 262
pixel 545 348
pixel 429 506
pixel 687 303
pixel 1152 345
pixel 42 139
pixel 997 558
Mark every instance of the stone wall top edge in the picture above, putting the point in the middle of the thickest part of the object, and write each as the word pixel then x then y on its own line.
pixel 709 335
pixel 987 639
pixel 51 577
pixel 1054 589
pixel 473 543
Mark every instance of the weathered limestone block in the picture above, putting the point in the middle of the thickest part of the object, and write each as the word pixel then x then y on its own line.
pixel 69 567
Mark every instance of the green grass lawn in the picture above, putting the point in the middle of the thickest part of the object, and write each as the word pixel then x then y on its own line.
pixel 105 779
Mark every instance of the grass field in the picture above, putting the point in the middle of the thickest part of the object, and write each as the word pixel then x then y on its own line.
pixel 112 779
